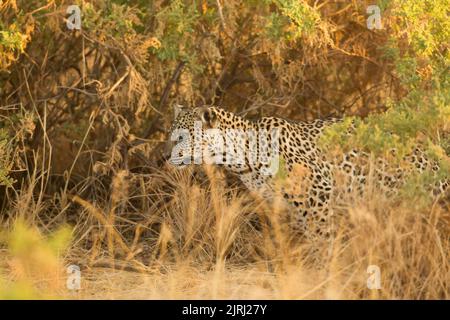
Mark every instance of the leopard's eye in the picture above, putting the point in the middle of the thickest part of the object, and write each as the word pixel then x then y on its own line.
pixel 180 138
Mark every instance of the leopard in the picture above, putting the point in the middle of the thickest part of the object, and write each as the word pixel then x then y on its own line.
pixel 309 175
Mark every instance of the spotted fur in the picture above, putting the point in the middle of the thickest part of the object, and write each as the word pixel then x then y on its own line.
pixel 310 183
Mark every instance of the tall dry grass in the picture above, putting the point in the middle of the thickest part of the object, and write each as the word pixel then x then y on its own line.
pixel 189 233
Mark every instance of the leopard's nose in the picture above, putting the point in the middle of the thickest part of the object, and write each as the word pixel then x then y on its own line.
pixel 167 151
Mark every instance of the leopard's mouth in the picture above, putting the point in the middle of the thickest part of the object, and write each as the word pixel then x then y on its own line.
pixel 180 162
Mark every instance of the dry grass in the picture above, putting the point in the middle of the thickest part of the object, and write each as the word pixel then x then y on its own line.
pixel 181 234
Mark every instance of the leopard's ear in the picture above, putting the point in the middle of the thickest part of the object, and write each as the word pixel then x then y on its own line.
pixel 207 116
pixel 178 109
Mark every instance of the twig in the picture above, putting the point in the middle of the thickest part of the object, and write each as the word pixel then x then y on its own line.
pixel 169 85
pixel 222 19
pixel 165 95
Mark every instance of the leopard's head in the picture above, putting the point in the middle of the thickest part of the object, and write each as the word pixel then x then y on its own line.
pixel 186 133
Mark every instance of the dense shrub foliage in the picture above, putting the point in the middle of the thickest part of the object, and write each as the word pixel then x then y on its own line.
pixel 298 59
